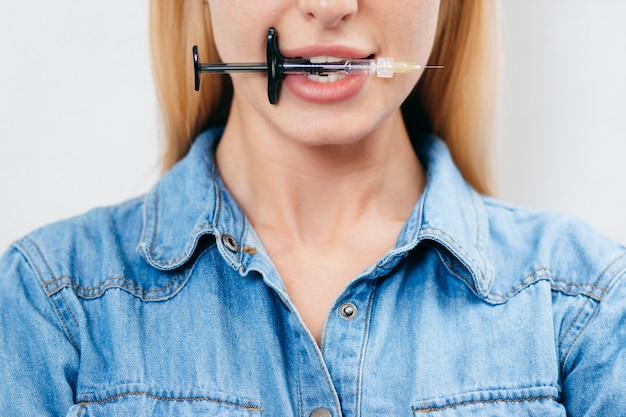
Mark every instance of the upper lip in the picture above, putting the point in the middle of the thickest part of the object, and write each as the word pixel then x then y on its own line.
pixel 337 51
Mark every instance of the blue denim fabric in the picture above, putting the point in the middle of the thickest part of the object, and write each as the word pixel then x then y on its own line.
pixel 168 305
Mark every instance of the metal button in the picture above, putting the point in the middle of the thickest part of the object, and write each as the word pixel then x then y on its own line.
pixel 320 412
pixel 230 243
pixel 347 311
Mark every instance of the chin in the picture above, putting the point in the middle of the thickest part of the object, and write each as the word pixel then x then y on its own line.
pixel 324 132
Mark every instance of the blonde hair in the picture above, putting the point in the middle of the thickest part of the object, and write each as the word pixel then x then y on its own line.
pixel 457 104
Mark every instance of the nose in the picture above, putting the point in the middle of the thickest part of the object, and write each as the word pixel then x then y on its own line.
pixel 329 13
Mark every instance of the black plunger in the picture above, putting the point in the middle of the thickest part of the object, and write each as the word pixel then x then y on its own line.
pixel 274 67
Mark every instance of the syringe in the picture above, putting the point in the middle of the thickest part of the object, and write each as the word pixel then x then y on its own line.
pixel 277 66
pixel 382 67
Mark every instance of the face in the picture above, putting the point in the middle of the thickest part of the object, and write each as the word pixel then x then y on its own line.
pixel 309 110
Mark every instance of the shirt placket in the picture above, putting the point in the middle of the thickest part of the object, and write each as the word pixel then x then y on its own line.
pixel 345 341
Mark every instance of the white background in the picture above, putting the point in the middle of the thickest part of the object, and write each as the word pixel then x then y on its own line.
pixel 78 125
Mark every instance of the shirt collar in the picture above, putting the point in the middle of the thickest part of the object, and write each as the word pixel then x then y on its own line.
pixel 453 217
pixel 190 201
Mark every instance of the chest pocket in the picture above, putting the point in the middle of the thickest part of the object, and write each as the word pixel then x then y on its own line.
pixel 539 402
pixel 146 404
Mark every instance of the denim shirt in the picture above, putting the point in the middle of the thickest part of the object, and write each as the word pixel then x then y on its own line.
pixel 168 305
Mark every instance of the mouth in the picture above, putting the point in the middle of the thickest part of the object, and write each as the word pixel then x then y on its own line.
pixel 328 78
pixel 331 77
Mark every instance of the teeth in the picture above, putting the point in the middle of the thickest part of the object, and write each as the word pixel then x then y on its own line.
pixel 322 59
pixel 330 78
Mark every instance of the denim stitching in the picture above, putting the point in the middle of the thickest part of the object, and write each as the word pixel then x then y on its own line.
pixel 80 411
pixel 571 284
pixel 526 282
pixel 617 275
pixel 328 380
pixel 160 398
pixel 461 404
pixel 564 336
pixel 67 330
pixel 451 240
pixel 481 239
pixel 452 270
pixel 95 292
pixel 129 284
pixel 537 275
pixel 45 262
pixel 197 231
pixel 26 253
pixel 301 405
pixel 69 310
pixel 590 316
pixel 440 234
pixel 155 220
pixel 583 328
pixel 569 350
pixel 364 348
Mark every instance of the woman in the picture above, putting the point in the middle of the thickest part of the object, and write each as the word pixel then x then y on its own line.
pixel 320 257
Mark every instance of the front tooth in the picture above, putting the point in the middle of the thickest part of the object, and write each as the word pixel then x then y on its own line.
pixel 318 59
pixel 322 59
pixel 332 78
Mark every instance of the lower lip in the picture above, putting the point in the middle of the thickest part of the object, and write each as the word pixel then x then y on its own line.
pixel 315 92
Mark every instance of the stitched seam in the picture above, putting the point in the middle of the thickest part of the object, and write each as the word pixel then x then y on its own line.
pixel 80 411
pixel 461 404
pixel 320 358
pixel 301 405
pixel 69 310
pixel 452 269
pixel 155 221
pixel 363 349
pixel 575 293
pixel 67 330
pixel 537 275
pixel 26 254
pixel 198 230
pixel 451 240
pixel 571 326
pixel 479 240
pixel 589 320
pixel 95 292
pixel 569 350
pixel 609 267
pixel 45 262
pixel 129 285
pixel 160 398
pixel 571 284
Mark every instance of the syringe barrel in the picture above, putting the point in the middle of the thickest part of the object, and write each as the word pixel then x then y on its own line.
pixel 349 67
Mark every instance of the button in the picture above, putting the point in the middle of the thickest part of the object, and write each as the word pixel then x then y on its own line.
pixel 347 311
pixel 320 412
pixel 230 243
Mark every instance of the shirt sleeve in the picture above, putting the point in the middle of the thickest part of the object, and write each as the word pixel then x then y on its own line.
pixel 38 360
pixel 594 378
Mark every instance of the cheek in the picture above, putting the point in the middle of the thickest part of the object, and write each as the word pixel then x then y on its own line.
pixel 415 25
pixel 239 29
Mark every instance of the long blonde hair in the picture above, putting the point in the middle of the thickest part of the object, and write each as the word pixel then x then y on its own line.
pixel 457 104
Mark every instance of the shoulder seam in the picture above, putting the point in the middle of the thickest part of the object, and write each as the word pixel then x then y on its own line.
pixel 581 322
pixel 27 255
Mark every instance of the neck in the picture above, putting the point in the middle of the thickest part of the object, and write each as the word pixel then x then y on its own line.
pixel 312 193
